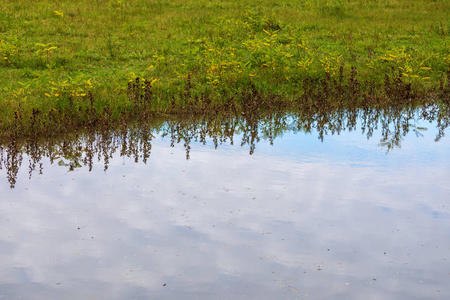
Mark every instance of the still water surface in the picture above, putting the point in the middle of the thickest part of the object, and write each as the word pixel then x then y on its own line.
pixel 304 218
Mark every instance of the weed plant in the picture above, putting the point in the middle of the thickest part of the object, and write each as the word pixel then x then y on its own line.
pixel 66 64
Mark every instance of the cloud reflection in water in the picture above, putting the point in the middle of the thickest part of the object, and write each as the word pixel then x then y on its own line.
pixel 336 219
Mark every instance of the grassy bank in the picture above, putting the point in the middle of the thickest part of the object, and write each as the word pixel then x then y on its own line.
pixel 77 60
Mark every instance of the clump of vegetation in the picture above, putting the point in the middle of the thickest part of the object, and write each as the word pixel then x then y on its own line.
pixel 67 64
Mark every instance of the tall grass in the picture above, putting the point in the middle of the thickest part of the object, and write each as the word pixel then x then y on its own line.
pixel 54 53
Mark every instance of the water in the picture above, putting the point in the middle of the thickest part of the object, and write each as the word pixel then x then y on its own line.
pixel 309 217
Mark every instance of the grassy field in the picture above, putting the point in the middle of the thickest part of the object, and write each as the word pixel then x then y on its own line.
pixel 76 59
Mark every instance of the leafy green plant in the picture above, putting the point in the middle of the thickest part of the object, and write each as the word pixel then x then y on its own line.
pixel 43 53
pixel 9 51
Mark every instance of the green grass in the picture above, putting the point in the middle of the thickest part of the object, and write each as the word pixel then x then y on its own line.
pixel 51 51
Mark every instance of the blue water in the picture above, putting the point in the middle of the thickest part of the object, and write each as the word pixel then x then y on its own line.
pixel 342 218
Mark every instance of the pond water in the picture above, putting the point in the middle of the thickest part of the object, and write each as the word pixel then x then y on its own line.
pixel 272 212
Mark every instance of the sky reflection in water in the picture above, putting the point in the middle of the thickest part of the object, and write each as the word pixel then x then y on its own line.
pixel 302 219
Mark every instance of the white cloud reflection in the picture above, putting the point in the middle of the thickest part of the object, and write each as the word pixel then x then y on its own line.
pixel 332 220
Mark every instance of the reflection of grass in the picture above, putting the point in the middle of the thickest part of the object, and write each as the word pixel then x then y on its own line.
pixel 93 144
pixel 53 53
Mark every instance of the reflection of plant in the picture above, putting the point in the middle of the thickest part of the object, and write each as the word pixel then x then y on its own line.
pixel 72 164
pixel 69 159
pixel 78 150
